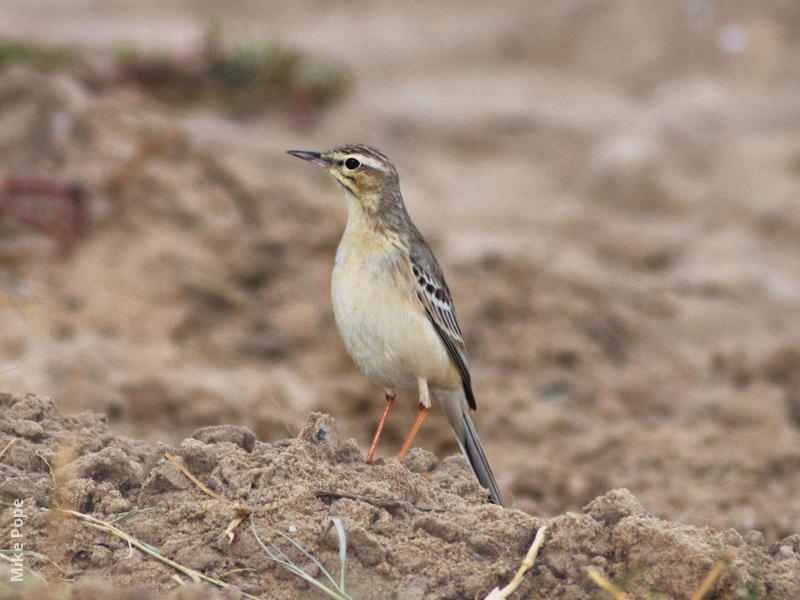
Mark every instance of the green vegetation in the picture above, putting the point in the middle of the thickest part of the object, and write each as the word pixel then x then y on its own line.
pixel 45 59
pixel 242 79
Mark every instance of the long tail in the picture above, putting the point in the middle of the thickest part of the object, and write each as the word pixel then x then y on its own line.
pixel 455 408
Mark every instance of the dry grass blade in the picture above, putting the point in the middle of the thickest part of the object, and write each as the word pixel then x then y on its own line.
pixel 278 556
pixel 282 410
pixel 49 467
pixel 24 568
pixel 701 592
pixel 337 591
pixel 242 570
pixel 241 512
pixel 713 575
pixel 6 447
pixel 194 479
pixel 337 522
pixel 194 575
pixel 36 555
pixel 603 582
pixel 229 532
pixel 527 563
pixel 130 513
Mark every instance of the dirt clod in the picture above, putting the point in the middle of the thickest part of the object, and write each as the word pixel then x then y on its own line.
pixel 296 486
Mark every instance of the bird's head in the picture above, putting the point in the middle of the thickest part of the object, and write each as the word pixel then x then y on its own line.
pixel 366 173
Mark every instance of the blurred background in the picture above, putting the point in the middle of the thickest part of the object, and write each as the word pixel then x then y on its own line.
pixel 611 188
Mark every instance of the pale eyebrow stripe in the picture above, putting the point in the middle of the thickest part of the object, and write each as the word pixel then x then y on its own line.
pixel 371 162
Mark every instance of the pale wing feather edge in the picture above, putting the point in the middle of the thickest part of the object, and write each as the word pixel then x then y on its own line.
pixel 434 295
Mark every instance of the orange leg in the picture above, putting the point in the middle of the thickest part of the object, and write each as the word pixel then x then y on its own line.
pixel 423 412
pixel 389 402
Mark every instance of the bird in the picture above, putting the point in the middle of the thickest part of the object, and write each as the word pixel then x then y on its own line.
pixel 391 302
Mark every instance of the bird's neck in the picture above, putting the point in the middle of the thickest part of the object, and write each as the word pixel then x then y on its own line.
pixel 362 213
pixel 376 211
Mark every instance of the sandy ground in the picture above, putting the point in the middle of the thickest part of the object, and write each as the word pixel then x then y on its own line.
pixel 408 536
pixel 612 194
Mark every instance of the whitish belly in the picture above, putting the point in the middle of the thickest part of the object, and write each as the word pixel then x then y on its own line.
pixel 386 334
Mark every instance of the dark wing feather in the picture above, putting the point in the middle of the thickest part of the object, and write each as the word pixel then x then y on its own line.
pixel 434 295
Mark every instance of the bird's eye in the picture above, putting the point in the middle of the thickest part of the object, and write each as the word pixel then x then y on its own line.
pixel 352 163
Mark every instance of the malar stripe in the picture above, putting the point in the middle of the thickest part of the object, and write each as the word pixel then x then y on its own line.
pixel 346 186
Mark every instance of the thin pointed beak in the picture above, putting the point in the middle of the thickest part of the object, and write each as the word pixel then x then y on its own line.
pixel 314 157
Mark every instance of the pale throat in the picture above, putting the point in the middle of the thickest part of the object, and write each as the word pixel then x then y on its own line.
pixel 360 212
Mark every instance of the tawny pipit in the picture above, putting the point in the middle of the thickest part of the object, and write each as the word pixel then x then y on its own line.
pixel 391 302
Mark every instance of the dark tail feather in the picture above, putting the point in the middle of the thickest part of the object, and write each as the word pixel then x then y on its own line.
pixel 477 460
pixel 456 410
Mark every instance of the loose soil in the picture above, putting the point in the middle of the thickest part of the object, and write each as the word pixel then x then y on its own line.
pixel 419 530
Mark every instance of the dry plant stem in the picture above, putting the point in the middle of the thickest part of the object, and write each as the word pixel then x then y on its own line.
pixel 50 468
pixel 242 570
pixel 277 555
pixel 27 569
pixel 195 576
pixel 282 410
pixel 6 447
pixel 527 563
pixel 194 479
pixel 704 588
pixel 242 512
pixel 600 580
pixel 229 532
pixel 37 555
pixel 713 575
